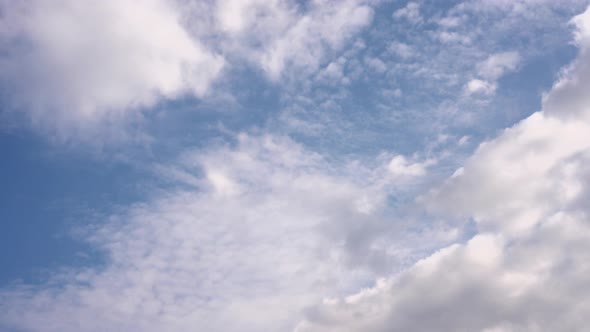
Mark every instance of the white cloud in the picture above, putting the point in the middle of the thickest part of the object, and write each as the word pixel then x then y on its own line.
pixel 450 22
pixel 283 37
pixel 448 37
pixel 333 73
pixel 400 49
pixel 569 97
pixel 491 69
pixel 399 166
pixel 496 65
pixel 520 175
pixel 376 64
pixel 410 12
pixel 463 140
pixel 485 284
pixel 303 44
pixel 524 170
pixel 476 86
pixel 526 268
pixel 69 69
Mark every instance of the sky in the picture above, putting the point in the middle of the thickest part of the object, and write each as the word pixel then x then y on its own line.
pixel 304 166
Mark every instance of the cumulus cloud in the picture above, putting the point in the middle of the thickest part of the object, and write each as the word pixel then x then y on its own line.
pixel 525 268
pixel 487 284
pixel 70 65
pixel 521 175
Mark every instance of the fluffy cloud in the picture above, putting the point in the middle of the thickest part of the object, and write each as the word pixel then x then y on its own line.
pixel 69 69
pixel 525 270
pixel 487 284
pixel 521 176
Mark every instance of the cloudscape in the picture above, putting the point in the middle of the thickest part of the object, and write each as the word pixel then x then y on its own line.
pixel 305 166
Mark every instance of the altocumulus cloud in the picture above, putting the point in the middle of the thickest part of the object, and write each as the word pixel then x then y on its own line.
pixel 74 65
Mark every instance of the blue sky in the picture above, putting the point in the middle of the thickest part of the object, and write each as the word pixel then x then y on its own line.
pixel 265 165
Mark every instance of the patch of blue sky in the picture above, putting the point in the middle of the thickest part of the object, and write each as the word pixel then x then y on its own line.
pixel 46 194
